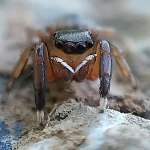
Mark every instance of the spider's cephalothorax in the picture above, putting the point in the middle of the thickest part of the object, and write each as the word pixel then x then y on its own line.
pixel 71 55
pixel 73 42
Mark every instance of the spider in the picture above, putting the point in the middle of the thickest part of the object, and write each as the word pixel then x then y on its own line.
pixel 71 55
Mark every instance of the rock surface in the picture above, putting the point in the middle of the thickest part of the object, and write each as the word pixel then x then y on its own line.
pixel 74 126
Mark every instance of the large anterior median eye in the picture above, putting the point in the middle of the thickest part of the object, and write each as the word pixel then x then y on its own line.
pixel 59 44
pixel 69 47
pixel 80 48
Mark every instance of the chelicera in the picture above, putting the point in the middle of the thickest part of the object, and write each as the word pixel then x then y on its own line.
pixel 71 55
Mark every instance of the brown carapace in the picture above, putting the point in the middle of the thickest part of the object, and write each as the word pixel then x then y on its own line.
pixel 71 55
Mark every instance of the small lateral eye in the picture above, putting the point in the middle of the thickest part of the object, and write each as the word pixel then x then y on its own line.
pixel 89 44
pixel 59 44
pixel 90 33
pixel 53 34
pixel 80 48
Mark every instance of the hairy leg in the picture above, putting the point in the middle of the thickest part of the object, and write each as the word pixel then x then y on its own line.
pixel 17 71
pixel 125 67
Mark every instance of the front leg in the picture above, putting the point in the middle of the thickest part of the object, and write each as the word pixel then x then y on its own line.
pixel 105 72
pixel 40 80
pixel 125 67
pixel 17 71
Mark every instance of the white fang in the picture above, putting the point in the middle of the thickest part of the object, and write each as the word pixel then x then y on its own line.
pixel 90 57
pixel 63 63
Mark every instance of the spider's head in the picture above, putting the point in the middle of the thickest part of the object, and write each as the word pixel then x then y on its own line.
pixel 72 54
pixel 74 41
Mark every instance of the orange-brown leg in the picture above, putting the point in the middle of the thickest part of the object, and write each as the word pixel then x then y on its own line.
pixel 17 71
pixel 107 33
pixel 51 30
pixel 124 67
pixel 41 36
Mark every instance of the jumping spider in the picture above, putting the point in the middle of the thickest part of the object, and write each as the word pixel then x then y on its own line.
pixel 71 55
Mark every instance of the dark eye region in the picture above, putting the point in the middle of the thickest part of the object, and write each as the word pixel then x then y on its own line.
pixel 59 44
pixel 80 48
pixel 71 47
